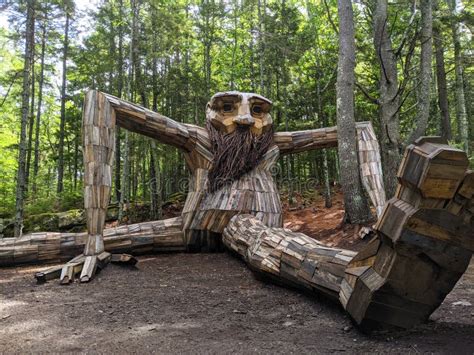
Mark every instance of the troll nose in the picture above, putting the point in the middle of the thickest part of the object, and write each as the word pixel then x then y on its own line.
pixel 244 120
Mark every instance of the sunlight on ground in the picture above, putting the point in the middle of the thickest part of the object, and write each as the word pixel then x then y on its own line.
pixel 7 305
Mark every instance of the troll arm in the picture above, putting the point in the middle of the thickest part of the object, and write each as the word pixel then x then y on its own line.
pixel 368 147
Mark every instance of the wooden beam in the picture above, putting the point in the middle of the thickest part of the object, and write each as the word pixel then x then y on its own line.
pixel 48 247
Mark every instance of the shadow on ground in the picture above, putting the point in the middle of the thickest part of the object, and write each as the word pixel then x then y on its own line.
pixel 204 303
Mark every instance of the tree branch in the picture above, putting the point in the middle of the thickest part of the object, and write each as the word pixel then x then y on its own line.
pixel 406 69
pixel 406 97
pixel 330 17
pixel 409 109
pixel 366 94
pixel 330 79
pixel 9 88
pixel 407 29
pixel 382 64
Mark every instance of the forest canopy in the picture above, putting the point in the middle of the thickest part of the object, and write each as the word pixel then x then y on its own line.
pixel 172 56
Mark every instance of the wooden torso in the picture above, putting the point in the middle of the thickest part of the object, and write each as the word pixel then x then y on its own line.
pixel 254 193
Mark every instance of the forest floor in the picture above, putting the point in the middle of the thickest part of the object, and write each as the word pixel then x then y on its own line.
pixel 211 303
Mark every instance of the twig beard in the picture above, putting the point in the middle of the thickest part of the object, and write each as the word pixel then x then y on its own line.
pixel 235 154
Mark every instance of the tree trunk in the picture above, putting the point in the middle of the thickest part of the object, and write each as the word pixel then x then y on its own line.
pixel 389 101
pixel 461 115
pixel 324 121
pixel 234 48
pixel 119 94
pixel 112 47
pixel 38 109
pixel 156 201
pixel 261 42
pixel 356 206
pixel 76 160
pixel 31 121
pixel 327 185
pixel 426 34
pixel 125 193
pixel 60 187
pixel 441 79
pixel 25 101
pixel 156 188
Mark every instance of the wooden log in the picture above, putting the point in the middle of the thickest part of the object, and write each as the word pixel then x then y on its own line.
pixel 136 239
pixel 70 269
pixel 287 257
pixel 48 274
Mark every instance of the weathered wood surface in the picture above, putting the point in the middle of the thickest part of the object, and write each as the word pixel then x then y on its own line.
pixel 239 103
pixel 301 141
pixel 84 265
pixel 370 165
pixel 425 238
pixel 205 213
pixel 48 247
pixel 98 150
pixel 287 257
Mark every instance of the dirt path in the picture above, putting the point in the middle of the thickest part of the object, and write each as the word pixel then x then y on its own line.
pixel 203 303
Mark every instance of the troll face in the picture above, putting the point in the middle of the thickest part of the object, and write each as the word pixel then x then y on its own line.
pixel 228 110
pixel 241 131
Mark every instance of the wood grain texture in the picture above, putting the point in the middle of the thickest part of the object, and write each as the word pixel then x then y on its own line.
pixel 424 242
pixel 48 247
pixel 370 165
pixel 287 257
pixel 98 132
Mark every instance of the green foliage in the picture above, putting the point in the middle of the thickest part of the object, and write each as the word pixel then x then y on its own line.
pixel 185 51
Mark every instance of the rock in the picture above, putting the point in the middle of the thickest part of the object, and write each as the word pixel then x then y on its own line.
pixel 68 221
pixel 53 222
pixel 71 218
pixel 41 222
pixel 6 228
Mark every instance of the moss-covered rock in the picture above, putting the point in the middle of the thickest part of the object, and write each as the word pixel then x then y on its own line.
pixel 68 221
pixel 71 218
pixel 41 222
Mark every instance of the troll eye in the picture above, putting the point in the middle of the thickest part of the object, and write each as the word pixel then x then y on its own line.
pixel 228 107
pixel 257 109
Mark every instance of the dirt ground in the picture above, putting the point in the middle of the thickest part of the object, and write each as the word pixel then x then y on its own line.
pixel 211 303
pixel 203 303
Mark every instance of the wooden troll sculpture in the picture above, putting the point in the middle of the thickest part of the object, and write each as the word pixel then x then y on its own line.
pixel 423 239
